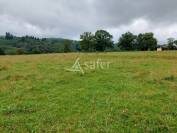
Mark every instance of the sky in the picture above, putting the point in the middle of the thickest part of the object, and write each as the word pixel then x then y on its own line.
pixel 70 18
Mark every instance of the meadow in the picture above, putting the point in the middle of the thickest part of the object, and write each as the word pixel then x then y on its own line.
pixel 137 93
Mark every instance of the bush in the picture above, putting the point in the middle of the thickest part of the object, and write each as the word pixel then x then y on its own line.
pixel 2 51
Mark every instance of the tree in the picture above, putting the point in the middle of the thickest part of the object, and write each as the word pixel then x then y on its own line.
pixel 146 42
pixel 9 36
pixel 103 40
pixel 171 44
pixel 2 51
pixel 87 42
pixel 175 42
pixel 127 41
pixel 67 46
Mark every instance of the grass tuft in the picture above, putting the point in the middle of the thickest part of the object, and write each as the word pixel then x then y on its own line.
pixel 170 78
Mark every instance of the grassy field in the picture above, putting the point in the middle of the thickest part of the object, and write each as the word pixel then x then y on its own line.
pixel 137 93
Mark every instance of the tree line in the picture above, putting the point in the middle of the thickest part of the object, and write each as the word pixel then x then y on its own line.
pixel 101 41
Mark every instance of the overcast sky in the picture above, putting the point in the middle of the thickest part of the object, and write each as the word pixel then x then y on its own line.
pixel 70 18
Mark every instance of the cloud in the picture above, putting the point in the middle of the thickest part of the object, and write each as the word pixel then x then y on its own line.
pixel 161 31
pixel 69 18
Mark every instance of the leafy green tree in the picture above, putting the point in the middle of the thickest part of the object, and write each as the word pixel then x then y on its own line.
pixel 87 42
pixel 175 42
pixel 127 41
pixel 146 41
pixel 67 46
pixel 103 40
pixel 9 36
pixel 2 51
pixel 171 44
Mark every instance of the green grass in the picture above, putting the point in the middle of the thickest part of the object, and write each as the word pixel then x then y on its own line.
pixel 138 93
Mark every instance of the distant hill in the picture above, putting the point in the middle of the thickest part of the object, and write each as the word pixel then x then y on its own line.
pixel 11 45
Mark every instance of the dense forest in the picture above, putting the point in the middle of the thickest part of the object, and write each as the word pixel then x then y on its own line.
pixel 101 40
pixel 12 45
